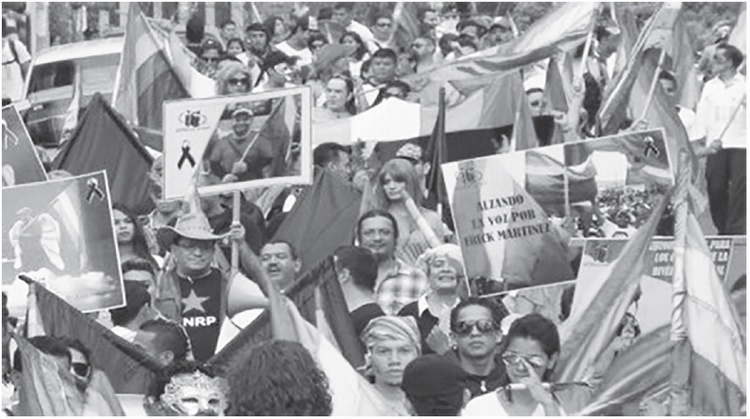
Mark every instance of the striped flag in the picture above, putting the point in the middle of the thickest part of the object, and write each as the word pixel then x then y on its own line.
pixel 155 67
pixel 588 332
pixel 562 29
pixel 738 37
pixel 705 322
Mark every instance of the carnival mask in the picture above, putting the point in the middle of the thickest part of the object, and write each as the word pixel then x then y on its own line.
pixel 196 394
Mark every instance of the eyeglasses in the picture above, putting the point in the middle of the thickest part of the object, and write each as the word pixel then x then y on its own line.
pixel 515 360
pixel 80 369
pixel 483 326
pixel 243 80
pixel 196 244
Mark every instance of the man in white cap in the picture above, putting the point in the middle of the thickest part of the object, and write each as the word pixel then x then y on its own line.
pixel 194 293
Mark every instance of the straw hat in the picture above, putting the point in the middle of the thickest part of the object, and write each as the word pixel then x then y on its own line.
pixel 193 225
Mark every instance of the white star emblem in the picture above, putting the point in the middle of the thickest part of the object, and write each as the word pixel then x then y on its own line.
pixel 193 302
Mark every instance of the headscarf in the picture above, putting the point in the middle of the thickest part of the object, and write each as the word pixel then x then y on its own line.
pixel 392 328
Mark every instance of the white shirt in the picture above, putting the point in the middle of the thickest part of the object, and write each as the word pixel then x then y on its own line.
pixel 375 45
pixel 304 54
pixel 718 105
pixel 688 121
pixel 489 405
pixel 12 75
pixel 361 30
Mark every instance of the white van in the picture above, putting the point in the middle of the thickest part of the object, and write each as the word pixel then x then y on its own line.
pixel 49 86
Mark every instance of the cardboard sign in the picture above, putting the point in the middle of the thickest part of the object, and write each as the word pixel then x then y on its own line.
pixel 237 142
pixel 510 209
pixel 21 164
pixel 61 234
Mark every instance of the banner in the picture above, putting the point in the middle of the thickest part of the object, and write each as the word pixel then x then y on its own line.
pixel 60 233
pixel 728 255
pixel 240 142
pixel 513 207
pixel 21 164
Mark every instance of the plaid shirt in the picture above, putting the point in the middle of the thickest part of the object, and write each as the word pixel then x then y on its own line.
pixel 400 287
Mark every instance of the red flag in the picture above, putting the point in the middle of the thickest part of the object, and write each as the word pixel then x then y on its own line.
pixel 128 367
pixel 324 219
pixel 103 141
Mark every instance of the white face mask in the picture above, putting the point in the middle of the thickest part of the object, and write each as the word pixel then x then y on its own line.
pixel 196 394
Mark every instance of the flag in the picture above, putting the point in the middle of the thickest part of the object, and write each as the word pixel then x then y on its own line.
pixel 42 391
pixel 641 371
pixel 437 152
pixel 129 368
pixel 406 27
pixel 588 332
pixel 71 116
pixel 351 394
pixel 103 141
pixel 155 67
pixel 546 178
pixel 562 29
pixel 555 96
pixel 613 111
pixel 322 280
pixel 738 37
pixel 324 218
pixel 478 103
pixel 524 133
pixel 716 366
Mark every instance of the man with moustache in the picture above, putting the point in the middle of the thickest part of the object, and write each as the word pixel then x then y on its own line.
pixel 280 263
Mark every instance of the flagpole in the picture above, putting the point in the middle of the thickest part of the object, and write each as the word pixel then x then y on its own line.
pixel 584 58
pixel 654 81
pixel 734 115
pixel 680 356
pixel 235 222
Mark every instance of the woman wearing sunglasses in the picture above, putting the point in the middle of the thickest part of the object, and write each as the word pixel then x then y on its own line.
pixel 529 354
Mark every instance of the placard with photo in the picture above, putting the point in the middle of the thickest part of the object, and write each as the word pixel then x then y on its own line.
pixel 238 142
pixel 21 163
pixel 60 233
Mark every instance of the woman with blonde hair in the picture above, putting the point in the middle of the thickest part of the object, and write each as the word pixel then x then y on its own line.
pixel 397 190
pixel 234 78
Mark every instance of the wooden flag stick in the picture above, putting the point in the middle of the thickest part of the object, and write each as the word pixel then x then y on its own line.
pixel 235 221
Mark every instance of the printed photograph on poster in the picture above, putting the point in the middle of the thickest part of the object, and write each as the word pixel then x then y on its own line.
pixel 61 233
pixel 237 142
pixel 519 211
pixel 21 163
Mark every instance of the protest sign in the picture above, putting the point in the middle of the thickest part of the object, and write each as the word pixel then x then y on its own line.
pixel 21 164
pixel 60 233
pixel 513 211
pixel 239 142
pixel 728 256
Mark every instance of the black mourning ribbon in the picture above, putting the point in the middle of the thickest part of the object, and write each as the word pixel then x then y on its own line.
pixel 186 155
pixel 650 147
pixel 94 191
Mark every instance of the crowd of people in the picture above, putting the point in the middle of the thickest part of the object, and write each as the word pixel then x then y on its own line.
pixel 432 347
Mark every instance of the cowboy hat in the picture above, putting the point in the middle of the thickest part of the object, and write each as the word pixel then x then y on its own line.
pixel 192 226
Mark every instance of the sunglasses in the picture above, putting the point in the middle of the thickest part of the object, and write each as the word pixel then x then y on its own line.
pixel 418 45
pixel 210 59
pixel 483 326
pixel 80 369
pixel 243 80
pixel 516 360
pixel 535 104
pixel 383 25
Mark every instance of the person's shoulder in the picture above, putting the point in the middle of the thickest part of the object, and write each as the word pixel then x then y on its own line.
pixel 484 405
pixel 411 309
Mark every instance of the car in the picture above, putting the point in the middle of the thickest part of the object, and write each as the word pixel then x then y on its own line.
pixel 49 86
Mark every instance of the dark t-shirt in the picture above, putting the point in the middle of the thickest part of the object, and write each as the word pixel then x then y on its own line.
pixel 425 322
pixel 483 384
pixel 363 314
pixel 201 312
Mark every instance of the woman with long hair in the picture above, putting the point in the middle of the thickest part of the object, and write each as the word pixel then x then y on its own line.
pixel 276 29
pixel 397 190
pixel 131 238
pixel 278 378
pixel 360 54
pixel 530 352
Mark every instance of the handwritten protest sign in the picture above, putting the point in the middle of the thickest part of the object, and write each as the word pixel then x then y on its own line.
pixel 21 164
pixel 60 233
pixel 237 142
